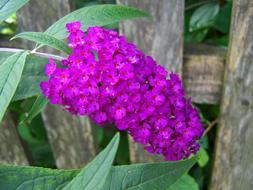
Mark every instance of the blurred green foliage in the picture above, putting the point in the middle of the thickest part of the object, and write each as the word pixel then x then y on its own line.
pixel 207 22
pixel 33 134
pixel 9 26
pixel 202 171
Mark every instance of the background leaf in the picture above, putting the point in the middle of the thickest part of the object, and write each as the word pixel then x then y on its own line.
pixel 147 176
pixel 222 22
pixel 37 107
pixel 94 175
pixel 203 157
pixel 195 36
pixel 27 135
pixel 11 70
pixel 7 7
pixel 184 183
pixel 204 16
pixel 45 39
pixel 23 127
pixel 98 15
pixel 221 41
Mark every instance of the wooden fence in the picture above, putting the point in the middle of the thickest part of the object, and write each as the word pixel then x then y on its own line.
pixel 210 74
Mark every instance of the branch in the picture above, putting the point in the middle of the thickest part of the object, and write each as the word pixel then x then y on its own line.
pixel 210 126
pixel 39 54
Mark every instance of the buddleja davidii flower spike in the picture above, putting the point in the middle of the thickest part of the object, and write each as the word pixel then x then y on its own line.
pixel 110 80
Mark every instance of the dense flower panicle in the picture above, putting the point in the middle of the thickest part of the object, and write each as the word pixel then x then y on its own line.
pixel 112 81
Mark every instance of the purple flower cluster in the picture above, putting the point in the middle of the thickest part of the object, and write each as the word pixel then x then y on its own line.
pixel 113 82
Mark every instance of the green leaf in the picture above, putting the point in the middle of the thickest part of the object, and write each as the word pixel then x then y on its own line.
pixel 222 22
pixel 94 175
pixel 44 39
pixel 91 177
pixel 4 55
pixel 195 36
pixel 147 176
pixel 27 135
pixel 23 127
pixel 7 7
pixel 25 178
pixel 11 71
pixel 185 183
pixel 33 73
pixel 37 107
pixel 204 141
pixel 219 41
pixel 203 157
pixel 99 174
pixel 204 16
pixel 97 15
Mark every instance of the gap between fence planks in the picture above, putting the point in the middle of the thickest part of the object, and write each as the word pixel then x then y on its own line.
pixel 233 167
pixel 70 137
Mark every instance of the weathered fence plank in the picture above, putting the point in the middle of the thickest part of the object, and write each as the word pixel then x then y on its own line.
pixel 11 149
pixel 203 72
pixel 38 15
pixel 233 168
pixel 71 138
pixel 161 37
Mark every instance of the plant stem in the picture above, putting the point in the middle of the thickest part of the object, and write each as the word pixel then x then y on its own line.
pixel 46 55
pixel 211 125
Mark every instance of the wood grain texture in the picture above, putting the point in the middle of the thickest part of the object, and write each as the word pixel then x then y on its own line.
pixel 37 16
pixel 203 72
pixel 233 168
pixel 160 37
pixel 11 149
pixel 71 138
